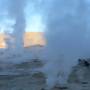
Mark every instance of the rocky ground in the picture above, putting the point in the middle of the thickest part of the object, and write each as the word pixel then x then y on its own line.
pixel 25 76
pixel 22 76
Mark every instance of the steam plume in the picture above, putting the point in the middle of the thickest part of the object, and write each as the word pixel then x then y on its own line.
pixel 66 38
pixel 16 12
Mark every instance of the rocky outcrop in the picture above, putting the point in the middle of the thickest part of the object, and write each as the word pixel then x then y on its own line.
pixel 81 72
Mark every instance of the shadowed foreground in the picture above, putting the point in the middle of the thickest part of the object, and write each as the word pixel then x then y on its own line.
pixel 25 76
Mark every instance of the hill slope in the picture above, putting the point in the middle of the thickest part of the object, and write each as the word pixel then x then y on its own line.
pixel 30 38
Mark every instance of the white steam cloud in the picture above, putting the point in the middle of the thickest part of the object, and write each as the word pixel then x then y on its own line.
pixel 67 27
pixel 16 11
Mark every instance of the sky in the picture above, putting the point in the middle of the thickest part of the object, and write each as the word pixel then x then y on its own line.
pixel 67 24
pixel 34 20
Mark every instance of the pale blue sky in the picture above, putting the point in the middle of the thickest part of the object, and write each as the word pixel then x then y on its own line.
pixel 34 21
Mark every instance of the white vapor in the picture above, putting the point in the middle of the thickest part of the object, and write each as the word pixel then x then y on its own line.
pixel 66 35
pixel 16 10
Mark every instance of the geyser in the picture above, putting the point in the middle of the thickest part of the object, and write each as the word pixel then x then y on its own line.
pixel 66 38
pixel 16 12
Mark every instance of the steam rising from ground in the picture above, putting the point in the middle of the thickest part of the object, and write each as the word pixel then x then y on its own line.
pixel 16 11
pixel 67 34
pixel 67 27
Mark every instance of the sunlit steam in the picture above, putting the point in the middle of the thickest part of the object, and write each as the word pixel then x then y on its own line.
pixel 16 12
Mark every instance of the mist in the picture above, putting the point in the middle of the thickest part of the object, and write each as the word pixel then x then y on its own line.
pixel 66 33
pixel 67 38
pixel 16 12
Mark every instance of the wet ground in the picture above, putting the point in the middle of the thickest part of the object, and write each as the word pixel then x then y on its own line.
pixel 25 76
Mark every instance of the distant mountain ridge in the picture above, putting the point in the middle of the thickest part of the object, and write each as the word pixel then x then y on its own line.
pixel 30 39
